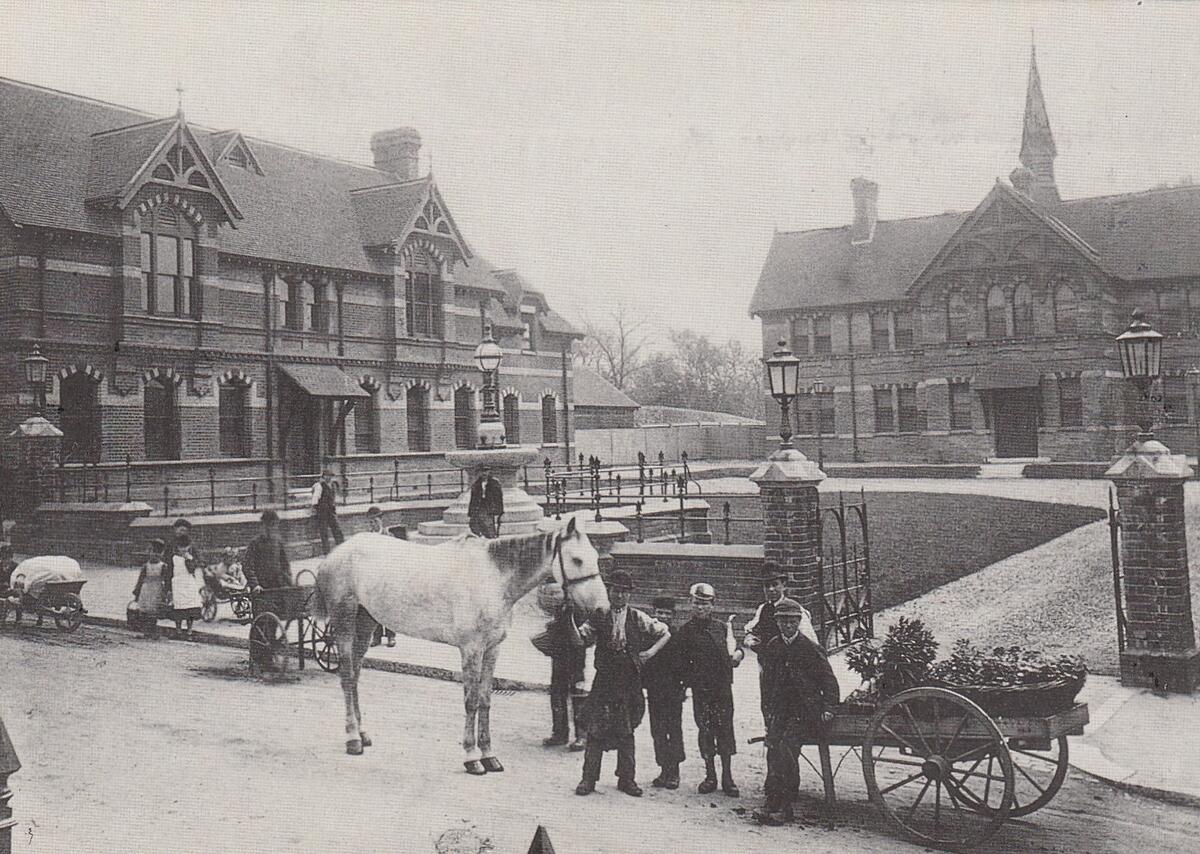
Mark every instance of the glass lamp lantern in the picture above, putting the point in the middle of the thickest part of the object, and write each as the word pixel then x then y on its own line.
pixel 36 368
pixel 783 376
pixel 488 356
pixel 1140 348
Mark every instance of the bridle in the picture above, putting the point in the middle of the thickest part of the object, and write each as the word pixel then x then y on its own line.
pixel 565 582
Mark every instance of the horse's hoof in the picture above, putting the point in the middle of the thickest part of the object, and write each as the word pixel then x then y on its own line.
pixel 366 739
pixel 474 766
pixel 354 747
pixel 491 763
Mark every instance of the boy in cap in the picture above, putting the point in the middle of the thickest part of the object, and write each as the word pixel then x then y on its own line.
pixel 708 660
pixel 375 520
pixel 625 639
pixel 762 627
pixel 801 692
pixel 567 663
pixel 664 697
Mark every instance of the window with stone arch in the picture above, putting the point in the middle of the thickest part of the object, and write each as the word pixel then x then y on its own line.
pixel 997 313
pixel 956 317
pixel 233 417
pixel 423 296
pixel 79 403
pixel 160 419
pixel 549 420
pixel 512 419
pixel 366 421
pixel 464 417
pixel 1066 308
pixel 417 403
pixel 1022 308
pixel 169 276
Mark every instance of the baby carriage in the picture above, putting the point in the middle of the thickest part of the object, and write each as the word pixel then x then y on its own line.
pixel 48 586
pixel 225 586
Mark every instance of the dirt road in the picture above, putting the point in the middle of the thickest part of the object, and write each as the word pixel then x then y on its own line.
pixel 150 746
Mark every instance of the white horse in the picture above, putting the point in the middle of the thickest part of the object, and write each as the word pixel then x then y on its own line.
pixel 459 593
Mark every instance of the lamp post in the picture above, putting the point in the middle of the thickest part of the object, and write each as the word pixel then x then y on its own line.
pixel 818 389
pixel 488 356
pixel 1193 374
pixel 783 375
pixel 36 366
pixel 1140 349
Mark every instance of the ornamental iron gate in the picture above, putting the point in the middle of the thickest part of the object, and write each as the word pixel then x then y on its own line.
pixel 1114 535
pixel 844 575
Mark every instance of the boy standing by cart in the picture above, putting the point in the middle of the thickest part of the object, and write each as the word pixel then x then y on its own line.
pixel 664 698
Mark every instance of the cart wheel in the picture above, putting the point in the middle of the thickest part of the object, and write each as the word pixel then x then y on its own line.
pixel 242 607
pixel 928 739
pixel 267 637
pixel 69 613
pixel 325 649
pixel 1038 773
pixel 208 605
pixel 306 578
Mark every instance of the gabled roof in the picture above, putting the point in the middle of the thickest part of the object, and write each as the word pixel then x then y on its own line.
pixel 387 211
pixel 225 143
pixel 591 389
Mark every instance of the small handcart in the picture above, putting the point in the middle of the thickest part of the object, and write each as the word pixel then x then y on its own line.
pixel 275 612
pixel 945 773
pixel 48 586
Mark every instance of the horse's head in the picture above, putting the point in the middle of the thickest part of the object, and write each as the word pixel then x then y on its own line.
pixel 576 567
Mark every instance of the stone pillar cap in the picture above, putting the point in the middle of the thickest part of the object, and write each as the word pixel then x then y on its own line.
pixel 787 465
pixel 1149 459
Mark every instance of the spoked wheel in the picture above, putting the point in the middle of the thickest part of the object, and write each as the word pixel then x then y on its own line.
pixel 242 608
pixel 306 578
pixel 325 648
pixel 208 605
pixel 267 640
pixel 1039 770
pixel 938 767
pixel 68 615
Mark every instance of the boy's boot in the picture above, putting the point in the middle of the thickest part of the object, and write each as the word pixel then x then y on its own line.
pixel 672 777
pixel 727 785
pixel 558 715
pixel 660 781
pixel 580 742
pixel 709 784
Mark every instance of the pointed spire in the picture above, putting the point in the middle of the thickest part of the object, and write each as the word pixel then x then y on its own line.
pixel 1037 141
pixel 179 100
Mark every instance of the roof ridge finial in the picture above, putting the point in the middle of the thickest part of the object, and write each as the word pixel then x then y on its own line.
pixel 179 90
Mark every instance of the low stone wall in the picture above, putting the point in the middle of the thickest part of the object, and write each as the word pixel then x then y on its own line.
pixel 1073 471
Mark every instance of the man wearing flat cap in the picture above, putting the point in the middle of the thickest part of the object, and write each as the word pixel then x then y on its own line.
pixel 708 657
pixel 800 693
pixel 625 639
pixel 762 627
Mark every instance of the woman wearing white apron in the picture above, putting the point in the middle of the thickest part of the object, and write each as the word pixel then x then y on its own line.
pixel 185 585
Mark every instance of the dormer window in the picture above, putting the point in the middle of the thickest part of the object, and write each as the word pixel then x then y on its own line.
pixel 169 284
pixel 237 157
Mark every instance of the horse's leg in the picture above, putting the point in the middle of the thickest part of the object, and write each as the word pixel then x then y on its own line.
pixel 490 762
pixel 363 633
pixel 472 661
pixel 345 631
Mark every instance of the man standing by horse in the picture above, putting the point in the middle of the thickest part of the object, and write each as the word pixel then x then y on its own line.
pixel 486 505
pixel 625 639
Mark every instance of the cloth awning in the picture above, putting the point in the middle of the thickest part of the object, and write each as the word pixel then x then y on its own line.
pixel 324 381
pixel 1008 371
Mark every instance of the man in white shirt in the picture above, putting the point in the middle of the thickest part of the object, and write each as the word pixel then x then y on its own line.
pixel 324 504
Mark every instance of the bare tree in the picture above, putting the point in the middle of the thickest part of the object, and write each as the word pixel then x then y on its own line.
pixel 614 349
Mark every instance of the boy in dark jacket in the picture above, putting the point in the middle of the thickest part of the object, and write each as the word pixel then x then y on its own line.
pixel 663 682
pixel 800 693
pixel 708 660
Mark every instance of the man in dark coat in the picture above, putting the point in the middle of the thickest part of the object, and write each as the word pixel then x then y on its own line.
pixel 625 639
pixel 486 505
pixel 266 563
pixel 324 505
pixel 801 694
pixel 566 674
pixel 665 690
pixel 708 664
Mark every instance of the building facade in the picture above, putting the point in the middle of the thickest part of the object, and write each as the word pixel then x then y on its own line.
pixel 205 296
pixel 966 336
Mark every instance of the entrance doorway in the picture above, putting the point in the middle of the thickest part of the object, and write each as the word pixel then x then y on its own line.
pixel 1015 421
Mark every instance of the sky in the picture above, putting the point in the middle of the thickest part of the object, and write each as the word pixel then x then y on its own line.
pixel 641 155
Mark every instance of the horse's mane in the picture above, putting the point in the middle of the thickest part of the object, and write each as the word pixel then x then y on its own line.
pixel 523 553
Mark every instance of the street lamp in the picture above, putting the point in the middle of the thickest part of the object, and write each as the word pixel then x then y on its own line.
pixel 36 366
pixel 1140 348
pixel 783 374
pixel 818 389
pixel 488 356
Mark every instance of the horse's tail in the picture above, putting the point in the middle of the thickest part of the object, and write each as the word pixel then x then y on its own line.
pixel 321 603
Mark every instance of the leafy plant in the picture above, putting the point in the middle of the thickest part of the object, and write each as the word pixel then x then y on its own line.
pixel 1005 666
pixel 900 661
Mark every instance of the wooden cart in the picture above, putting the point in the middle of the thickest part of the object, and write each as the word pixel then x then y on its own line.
pixel 945 773
pixel 276 611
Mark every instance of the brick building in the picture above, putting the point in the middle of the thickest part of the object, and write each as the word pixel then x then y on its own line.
pixel 966 336
pixel 599 404
pixel 206 297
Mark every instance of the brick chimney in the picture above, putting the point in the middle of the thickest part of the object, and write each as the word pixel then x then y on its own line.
pixel 866 210
pixel 396 151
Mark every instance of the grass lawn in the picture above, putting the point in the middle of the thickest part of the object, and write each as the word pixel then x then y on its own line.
pixel 920 541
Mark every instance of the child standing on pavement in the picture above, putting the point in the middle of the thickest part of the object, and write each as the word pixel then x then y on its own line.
pixel 663 682
pixel 148 591
pixel 708 661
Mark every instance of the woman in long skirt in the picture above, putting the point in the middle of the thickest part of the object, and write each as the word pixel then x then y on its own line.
pixel 148 591
pixel 186 581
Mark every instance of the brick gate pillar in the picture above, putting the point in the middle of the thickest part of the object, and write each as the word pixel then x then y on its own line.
pixel 1160 650
pixel 788 482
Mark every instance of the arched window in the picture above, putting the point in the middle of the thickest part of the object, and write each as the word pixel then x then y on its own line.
pixel 417 403
pixel 1066 309
pixel 997 311
pixel 79 402
pixel 160 417
pixel 1022 310
pixel 464 417
pixel 366 422
pixel 423 296
pixel 169 283
pixel 549 420
pixel 233 408
pixel 512 419
pixel 956 317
